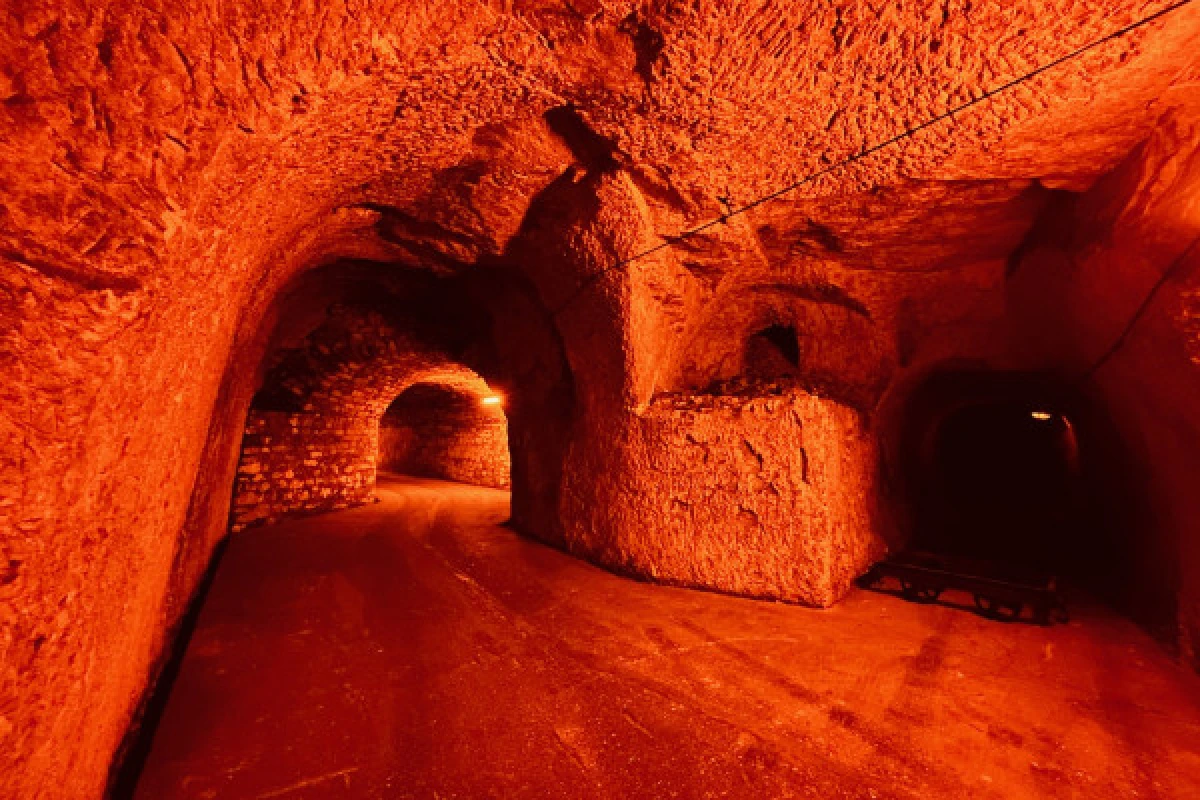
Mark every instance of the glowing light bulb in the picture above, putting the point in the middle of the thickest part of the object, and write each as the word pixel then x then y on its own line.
pixel 1041 415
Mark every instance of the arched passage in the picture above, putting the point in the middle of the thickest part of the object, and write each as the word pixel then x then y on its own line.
pixel 1000 482
pixel 453 431
pixel 1011 468
pixel 312 439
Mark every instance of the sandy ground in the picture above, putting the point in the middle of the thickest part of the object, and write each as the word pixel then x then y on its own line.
pixel 415 648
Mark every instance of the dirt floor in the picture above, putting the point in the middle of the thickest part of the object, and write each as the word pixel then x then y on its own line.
pixel 415 648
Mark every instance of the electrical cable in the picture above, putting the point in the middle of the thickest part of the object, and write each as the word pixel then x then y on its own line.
pixel 1169 273
pixel 670 240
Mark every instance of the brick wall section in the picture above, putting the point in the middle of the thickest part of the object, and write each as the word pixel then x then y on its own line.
pixel 301 463
pixel 465 444
pixel 396 441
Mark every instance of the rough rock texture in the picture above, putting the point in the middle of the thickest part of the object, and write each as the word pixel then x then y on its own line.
pixel 762 496
pixel 1108 292
pixel 437 432
pixel 187 185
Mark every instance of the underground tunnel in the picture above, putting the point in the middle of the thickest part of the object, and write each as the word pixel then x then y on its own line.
pixel 436 431
pixel 599 399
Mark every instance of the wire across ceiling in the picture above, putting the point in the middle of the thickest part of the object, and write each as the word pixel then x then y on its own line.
pixel 732 212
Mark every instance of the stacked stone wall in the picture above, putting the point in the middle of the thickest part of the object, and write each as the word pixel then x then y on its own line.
pixel 301 463
pixel 468 446
pixel 312 435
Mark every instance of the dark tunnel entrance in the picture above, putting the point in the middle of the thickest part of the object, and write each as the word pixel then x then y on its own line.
pixel 1022 477
pixel 1000 481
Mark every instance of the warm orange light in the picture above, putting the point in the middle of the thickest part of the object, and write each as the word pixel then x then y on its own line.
pixel 492 400
pixel 1041 415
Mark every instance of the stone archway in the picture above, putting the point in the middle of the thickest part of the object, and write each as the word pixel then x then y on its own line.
pixel 453 430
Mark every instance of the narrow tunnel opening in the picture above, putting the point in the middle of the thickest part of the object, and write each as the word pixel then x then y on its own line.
pixel 1007 473
pixel 360 368
pixel 437 431
pixel 773 352
pixel 1001 484
pixel 358 338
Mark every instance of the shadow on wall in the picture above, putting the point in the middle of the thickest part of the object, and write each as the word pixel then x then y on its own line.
pixel 437 431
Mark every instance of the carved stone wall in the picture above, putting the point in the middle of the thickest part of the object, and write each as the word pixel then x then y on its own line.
pixel 176 175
